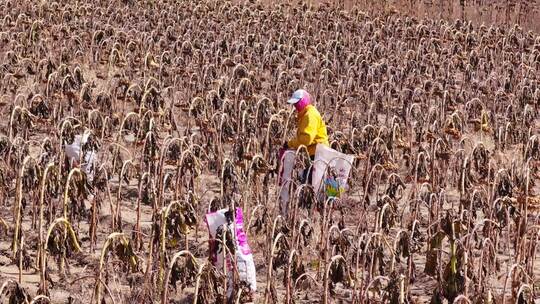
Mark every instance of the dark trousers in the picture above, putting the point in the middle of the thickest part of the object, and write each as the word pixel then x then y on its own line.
pixel 307 173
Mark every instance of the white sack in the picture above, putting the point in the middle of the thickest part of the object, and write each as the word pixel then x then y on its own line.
pixel 340 162
pixel 73 152
pixel 287 161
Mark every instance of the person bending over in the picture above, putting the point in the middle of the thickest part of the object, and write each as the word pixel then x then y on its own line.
pixel 311 129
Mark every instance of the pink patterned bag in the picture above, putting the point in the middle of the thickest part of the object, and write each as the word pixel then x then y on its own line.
pixel 244 257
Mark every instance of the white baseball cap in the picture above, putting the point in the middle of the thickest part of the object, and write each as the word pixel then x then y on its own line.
pixel 297 95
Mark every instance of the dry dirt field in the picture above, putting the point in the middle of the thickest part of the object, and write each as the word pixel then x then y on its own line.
pixel 184 103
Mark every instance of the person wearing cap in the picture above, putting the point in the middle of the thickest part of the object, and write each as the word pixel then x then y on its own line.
pixel 311 129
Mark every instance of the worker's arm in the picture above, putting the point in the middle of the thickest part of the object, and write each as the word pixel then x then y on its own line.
pixel 307 130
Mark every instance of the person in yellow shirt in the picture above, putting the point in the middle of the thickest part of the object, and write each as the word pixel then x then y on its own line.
pixel 311 129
